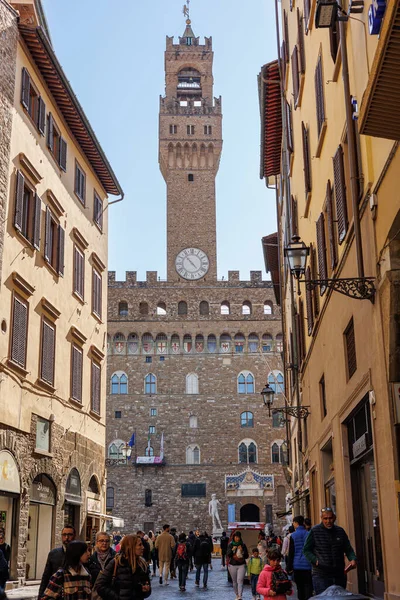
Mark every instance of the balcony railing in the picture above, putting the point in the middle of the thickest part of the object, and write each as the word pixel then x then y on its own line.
pixel 172 106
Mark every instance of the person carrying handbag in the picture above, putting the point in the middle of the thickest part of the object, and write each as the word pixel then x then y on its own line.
pixel 71 581
pixel 126 576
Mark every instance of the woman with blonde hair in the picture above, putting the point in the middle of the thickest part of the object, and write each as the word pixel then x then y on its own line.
pixel 126 576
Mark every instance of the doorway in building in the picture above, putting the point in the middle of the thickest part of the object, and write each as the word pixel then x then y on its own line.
pixel 42 498
pixel 371 577
pixel 250 513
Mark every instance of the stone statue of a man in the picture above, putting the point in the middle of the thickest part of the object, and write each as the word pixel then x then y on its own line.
pixel 213 506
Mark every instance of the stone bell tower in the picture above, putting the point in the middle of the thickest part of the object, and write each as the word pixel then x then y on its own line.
pixel 190 144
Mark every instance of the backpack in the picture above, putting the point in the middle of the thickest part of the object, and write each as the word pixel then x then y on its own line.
pixel 204 549
pixel 281 583
pixel 181 551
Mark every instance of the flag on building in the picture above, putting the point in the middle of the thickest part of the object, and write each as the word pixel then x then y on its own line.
pixel 162 446
pixel 132 441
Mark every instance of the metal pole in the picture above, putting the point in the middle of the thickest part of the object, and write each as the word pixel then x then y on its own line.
pixel 352 149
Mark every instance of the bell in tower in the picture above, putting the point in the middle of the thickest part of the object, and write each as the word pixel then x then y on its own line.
pixel 190 144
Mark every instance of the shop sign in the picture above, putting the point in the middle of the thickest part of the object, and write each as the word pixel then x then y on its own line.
pixel 93 506
pixel 43 490
pixel 375 16
pixel 9 476
pixel 360 445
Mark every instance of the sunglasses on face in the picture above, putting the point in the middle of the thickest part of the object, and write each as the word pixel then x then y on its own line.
pixel 327 509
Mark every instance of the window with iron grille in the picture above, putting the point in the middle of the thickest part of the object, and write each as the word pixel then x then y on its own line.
pixel 96 293
pixel 33 102
pixel 350 342
pixel 54 243
pixel 98 211
pixel 319 95
pixel 28 211
pixel 76 373
pixel 110 498
pixel 95 388
pixel 48 349
pixel 80 183
pixel 19 331
pixel 56 143
pixel 79 273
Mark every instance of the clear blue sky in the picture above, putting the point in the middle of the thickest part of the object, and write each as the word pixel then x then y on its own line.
pixel 113 54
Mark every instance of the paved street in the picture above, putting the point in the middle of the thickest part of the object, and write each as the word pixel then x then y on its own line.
pixel 217 587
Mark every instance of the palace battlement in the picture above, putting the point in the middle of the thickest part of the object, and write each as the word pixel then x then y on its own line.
pixel 153 280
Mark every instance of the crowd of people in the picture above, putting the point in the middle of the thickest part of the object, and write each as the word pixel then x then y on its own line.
pixel 121 567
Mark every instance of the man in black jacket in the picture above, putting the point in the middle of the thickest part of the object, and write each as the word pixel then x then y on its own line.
pixel 55 558
pixel 101 556
pixel 202 558
pixel 224 546
pixel 324 548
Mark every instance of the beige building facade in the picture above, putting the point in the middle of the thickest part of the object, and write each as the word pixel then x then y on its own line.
pixel 333 158
pixel 188 357
pixel 55 181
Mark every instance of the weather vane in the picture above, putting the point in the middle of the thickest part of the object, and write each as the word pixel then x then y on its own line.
pixel 186 9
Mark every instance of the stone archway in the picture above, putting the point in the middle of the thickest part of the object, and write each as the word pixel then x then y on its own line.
pixel 250 513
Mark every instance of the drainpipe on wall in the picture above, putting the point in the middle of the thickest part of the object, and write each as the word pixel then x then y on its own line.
pixel 352 149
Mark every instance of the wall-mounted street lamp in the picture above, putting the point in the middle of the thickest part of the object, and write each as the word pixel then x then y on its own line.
pixel 359 288
pixel 298 412
pixel 330 11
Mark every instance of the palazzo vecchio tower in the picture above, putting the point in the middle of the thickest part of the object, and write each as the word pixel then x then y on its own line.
pixel 188 357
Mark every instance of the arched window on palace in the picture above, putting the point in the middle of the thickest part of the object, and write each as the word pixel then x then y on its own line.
pixel 143 309
pixel 279 452
pixel 193 422
pixel 117 450
pixel 149 451
pixel 150 384
pixel 182 308
pixel 204 308
pixel 225 308
pixel 267 342
pixel 161 309
pixel 247 419
pixel 119 383
pixel 276 382
pixel 245 383
pixel 239 343
pixel 268 308
pixel 193 455
pixel 253 343
pixel 247 452
pixel 123 309
pixel 192 383
pixel 246 308
pixel 211 343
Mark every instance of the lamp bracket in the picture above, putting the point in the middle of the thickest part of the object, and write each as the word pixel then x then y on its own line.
pixel 298 412
pixel 359 288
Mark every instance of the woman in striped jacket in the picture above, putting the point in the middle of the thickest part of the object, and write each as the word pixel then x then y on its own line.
pixel 72 581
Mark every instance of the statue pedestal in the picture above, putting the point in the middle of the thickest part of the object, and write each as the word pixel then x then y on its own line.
pixel 217 534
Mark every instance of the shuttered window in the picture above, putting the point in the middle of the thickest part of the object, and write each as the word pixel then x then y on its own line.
pixel 79 273
pixel 27 213
pixel 76 373
pixel 350 343
pixel 302 330
pixel 80 183
pixel 56 143
pixel 334 38
pixel 314 276
pixel 95 388
pixel 306 159
pixel 19 331
pixel 98 211
pixel 286 33
pixel 294 222
pixel 289 127
pixel 96 293
pixel 54 243
pixel 309 302
pixel 295 75
pixel 319 95
pixel 33 102
pixel 321 245
pixel 333 251
pixel 48 352
pixel 340 194
pixel 300 43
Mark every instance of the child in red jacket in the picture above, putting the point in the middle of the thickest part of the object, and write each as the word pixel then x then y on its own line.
pixel 273 580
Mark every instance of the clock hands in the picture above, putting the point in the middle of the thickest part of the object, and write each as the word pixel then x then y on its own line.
pixel 191 262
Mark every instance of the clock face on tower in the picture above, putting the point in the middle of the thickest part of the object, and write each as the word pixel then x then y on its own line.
pixel 192 263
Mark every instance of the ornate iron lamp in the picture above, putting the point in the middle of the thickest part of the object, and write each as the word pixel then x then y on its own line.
pixel 268 394
pixel 359 288
pixel 326 13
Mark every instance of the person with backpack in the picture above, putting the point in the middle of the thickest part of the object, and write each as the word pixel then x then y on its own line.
pixel 126 576
pixel 72 581
pixel 297 563
pixel 202 558
pixel 191 540
pixel 224 546
pixel 254 567
pixel 237 554
pixel 273 580
pixel 182 560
